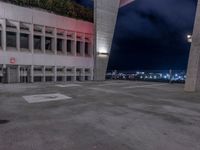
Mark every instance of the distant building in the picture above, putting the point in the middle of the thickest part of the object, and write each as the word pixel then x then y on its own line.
pixel 36 46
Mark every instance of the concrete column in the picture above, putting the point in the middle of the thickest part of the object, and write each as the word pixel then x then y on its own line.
pixel 64 46
pixel 4 35
pixel 18 36
pixel 193 71
pixel 31 39
pixel 74 73
pixel 105 16
pixel 84 45
pixel 83 74
pixel 65 74
pixel 4 43
pixel 55 73
pixel 32 73
pixel 43 40
pixel 54 46
pixel 74 45
pixel 44 74
pixel 18 74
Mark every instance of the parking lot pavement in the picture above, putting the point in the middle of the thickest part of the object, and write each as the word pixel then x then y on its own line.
pixel 109 115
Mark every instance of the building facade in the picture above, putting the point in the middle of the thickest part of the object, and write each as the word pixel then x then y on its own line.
pixel 37 46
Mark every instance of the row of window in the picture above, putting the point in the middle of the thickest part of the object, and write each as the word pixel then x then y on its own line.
pixel 68 70
pixel 81 47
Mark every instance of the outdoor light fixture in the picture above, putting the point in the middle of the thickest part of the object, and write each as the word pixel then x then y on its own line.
pixel 103 51
pixel 189 38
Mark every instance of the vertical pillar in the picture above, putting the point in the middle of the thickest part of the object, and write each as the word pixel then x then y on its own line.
pixel 75 43
pixel 18 36
pixel 84 45
pixel 4 47
pixel 54 43
pixel 18 73
pixel 4 35
pixel 74 69
pixel 65 74
pixel 44 74
pixel 193 71
pixel 64 46
pixel 43 40
pixel 32 73
pixel 31 39
pixel 105 16
pixel 55 73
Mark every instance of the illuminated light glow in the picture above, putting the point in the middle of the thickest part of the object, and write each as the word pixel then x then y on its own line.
pixel 189 38
pixel 103 50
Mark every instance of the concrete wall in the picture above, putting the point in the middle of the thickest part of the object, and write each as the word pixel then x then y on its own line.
pixel 193 72
pixel 105 16
pixel 20 16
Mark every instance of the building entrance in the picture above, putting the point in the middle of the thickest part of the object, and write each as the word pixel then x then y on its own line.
pixel 25 74
pixel 12 74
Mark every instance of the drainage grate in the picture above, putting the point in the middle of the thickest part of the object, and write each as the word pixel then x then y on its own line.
pixel 4 121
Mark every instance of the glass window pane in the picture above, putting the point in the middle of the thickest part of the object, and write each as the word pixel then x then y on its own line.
pixel 11 39
pixel 24 41
pixel 37 42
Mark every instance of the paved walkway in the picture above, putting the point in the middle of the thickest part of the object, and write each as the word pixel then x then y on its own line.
pixel 110 115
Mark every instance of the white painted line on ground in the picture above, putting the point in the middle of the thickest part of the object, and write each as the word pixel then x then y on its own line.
pixel 143 86
pixel 68 85
pixel 45 98
pixel 104 90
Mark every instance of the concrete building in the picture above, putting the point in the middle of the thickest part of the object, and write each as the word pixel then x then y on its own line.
pixel 37 46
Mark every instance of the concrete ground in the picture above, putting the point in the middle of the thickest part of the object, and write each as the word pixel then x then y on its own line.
pixel 110 115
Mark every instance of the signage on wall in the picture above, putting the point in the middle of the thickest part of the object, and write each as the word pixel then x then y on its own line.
pixel 12 60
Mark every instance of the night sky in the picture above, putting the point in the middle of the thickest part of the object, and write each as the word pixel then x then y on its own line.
pixel 152 34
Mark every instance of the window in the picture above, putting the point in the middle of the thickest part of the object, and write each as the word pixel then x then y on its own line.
pixel 69 46
pixel 11 39
pixel 78 47
pixel 59 70
pixel 86 48
pixel 59 45
pixel 48 43
pixel 87 70
pixel 38 69
pixel 49 69
pixel 69 70
pixel 37 42
pixel 24 41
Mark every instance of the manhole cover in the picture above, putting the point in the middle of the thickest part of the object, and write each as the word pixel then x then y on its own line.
pixel 4 121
